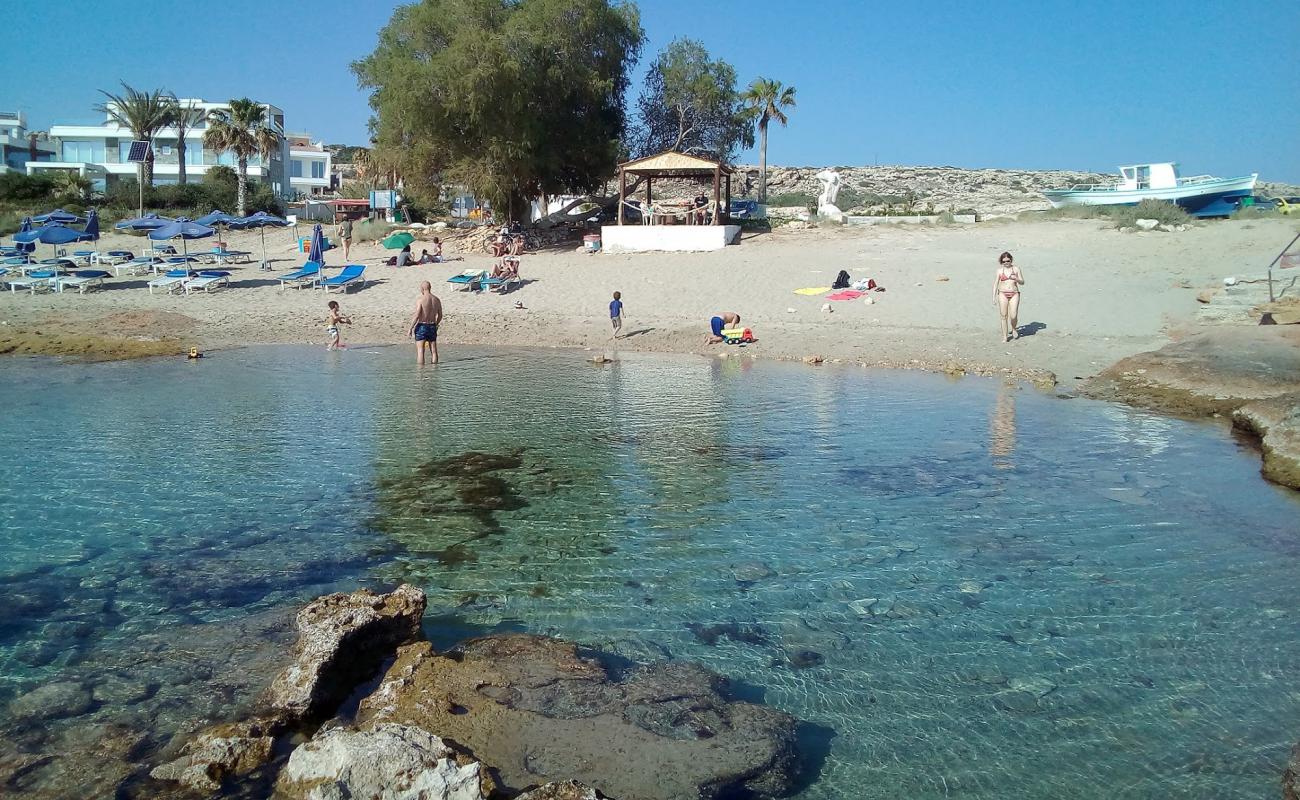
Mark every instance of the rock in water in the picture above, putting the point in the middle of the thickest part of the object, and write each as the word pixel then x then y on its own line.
pixel 1291 778
pixel 342 640
pixel 218 753
pixel 567 790
pixel 393 762
pixel 53 700
pixel 536 710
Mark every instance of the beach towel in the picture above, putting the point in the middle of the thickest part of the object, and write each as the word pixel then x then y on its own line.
pixel 847 294
pixel 813 290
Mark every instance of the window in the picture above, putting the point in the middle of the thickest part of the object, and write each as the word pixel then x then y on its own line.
pixel 84 152
pixel 318 169
pixel 165 149
pixel 123 150
pixel 295 168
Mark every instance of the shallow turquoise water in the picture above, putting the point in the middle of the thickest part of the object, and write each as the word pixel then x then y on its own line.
pixel 969 589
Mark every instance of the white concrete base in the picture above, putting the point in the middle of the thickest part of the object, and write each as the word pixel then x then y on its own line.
pixel 669 238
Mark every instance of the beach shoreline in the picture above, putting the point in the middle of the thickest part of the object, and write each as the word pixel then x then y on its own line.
pixel 1093 295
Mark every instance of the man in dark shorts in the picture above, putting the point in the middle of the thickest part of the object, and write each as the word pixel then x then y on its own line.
pixel 726 319
pixel 424 326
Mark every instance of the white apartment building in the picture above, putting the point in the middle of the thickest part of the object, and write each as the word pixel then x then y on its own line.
pixel 17 146
pixel 310 166
pixel 99 152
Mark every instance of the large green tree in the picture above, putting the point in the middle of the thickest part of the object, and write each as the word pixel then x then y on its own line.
pixel 767 100
pixel 246 131
pixel 144 113
pixel 513 98
pixel 690 104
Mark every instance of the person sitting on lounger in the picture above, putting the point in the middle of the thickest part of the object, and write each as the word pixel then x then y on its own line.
pixel 501 245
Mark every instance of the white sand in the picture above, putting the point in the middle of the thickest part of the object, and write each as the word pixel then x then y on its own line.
pixel 1093 295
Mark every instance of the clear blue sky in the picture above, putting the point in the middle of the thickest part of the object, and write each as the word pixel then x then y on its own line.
pixel 1214 85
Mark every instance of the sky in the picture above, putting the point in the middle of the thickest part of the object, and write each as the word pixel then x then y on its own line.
pixel 1034 84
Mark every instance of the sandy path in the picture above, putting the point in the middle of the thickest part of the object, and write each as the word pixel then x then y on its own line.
pixel 1093 295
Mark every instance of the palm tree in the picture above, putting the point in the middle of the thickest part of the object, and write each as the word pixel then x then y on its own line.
pixel 244 130
pixel 72 186
pixel 144 113
pixel 184 118
pixel 764 99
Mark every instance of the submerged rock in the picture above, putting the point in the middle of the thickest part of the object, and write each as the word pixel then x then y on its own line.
pixel 392 762
pixel 537 710
pixel 53 700
pixel 1291 778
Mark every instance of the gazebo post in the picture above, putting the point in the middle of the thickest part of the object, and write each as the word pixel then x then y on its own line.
pixel 728 212
pixel 717 196
pixel 648 201
pixel 622 192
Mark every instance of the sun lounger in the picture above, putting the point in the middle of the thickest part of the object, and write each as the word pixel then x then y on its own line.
pixel 36 281
pixel 114 257
pixel 81 280
pixel 467 279
pixel 227 256
pixel 209 280
pixel 306 276
pixel 84 258
pixel 160 250
pixel 352 275
pixel 171 281
pixel 135 266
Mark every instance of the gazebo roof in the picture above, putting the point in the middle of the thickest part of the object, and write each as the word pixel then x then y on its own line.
pixel 671 162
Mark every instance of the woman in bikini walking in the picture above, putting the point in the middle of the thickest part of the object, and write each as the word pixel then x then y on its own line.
pixel 1006 294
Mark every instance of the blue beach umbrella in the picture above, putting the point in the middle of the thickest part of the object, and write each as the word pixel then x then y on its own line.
pixel 183 229
pixel 91 233
pixel 54 233
pixel 317 251
pixel 148 222
pixel 57 215
pixel 25 247
pixel 262 220
pixel 219 218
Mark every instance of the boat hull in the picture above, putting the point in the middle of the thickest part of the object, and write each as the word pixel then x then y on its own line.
pixel 1190 197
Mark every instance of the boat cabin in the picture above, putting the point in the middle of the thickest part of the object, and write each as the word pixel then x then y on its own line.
pixel 1149 176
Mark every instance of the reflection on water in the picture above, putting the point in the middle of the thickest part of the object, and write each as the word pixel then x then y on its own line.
pixel 1002 428
pixel 971 589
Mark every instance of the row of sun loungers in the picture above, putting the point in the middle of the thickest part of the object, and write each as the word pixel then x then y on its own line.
pixel 309 276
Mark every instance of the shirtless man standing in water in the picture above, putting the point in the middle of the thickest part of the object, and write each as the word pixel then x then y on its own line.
pixel 424 326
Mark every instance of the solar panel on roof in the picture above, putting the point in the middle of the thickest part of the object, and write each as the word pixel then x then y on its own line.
pixel 139 152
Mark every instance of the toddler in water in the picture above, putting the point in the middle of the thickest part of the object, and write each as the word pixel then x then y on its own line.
pixel 333 322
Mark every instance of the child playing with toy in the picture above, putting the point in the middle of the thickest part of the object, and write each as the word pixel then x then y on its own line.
pixel 333 322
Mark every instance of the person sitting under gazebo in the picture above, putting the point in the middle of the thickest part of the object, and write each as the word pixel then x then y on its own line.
pixel 701 209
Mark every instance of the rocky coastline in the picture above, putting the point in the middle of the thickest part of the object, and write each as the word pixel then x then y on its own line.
pixel 364 707
pixel 1249 376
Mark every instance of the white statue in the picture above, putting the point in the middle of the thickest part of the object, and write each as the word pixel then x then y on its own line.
pixel 826 208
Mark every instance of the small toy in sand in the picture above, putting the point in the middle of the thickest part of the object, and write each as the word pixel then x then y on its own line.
pixel 737 335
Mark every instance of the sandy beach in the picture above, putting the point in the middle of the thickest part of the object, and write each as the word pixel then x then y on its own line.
pixel 1093 295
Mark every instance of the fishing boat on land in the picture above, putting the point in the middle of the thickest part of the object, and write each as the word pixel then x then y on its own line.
pixel 1198 194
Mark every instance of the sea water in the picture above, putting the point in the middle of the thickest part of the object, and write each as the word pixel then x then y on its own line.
pixel 964 588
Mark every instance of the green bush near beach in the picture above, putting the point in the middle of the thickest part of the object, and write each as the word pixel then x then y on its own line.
pixel 1164 212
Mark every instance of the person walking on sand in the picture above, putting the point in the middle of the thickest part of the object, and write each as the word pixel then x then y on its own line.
pixel 345 236
pixel 333 321
pixel 424 325
pixel 1006 296
pixel 616 313
pixel 724 320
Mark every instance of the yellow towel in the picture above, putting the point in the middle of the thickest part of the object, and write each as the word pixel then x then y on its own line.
pixel 813 290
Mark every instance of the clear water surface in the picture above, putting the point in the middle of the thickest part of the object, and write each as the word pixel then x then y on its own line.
pixel 968 589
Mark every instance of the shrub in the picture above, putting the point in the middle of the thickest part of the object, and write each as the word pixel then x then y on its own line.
pixel 792 199
pixel 1254 212
pixel 16 186
pixel 1164 212
pixel 371 230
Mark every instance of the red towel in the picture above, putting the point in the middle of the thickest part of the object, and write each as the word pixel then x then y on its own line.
pixel 847 294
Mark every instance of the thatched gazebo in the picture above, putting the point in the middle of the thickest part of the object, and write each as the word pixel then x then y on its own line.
pixel 671 164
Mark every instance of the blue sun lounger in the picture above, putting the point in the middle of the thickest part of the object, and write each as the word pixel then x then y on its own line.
pixel 467 279
pixel 36 281
pixel 171 281
pixel 208 280
pixel 309 274
pixel 351 274
pixel 81 280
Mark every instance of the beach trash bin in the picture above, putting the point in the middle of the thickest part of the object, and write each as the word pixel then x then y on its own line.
pixel 591 242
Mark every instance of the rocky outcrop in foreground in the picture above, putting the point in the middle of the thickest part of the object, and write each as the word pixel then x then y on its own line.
pixel 1250 373
pixel 1291 778
pixel 539 711
pixel 525 713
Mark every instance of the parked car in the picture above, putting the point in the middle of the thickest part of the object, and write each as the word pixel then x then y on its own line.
pixel 1287 205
